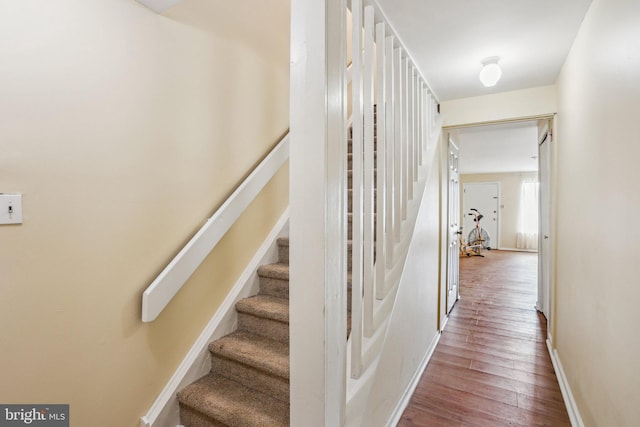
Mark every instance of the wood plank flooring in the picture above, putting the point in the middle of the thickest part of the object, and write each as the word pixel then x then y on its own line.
pixel 491 366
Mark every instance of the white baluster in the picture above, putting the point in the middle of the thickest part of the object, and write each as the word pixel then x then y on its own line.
pixel 390 135
pixel 368 200
pixel 423 120
pixel 381 130
pixel 356 192
pixel 397 154
pixel 405 138
pixel 410 134
pixel 416 125
pixel 420 147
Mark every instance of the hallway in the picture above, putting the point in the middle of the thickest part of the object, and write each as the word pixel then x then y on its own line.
pixel 491 366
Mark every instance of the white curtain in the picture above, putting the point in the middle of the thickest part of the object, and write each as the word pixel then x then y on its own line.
pixel 527 234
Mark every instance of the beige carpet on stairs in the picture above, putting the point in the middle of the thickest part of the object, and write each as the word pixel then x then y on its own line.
pixel 248 385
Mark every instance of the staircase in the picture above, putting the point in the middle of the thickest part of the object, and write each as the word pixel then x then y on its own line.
pixel 248 385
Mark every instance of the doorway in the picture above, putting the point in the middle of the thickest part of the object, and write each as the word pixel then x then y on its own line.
pixel 498 153
pixel 544 254
pixel 453 214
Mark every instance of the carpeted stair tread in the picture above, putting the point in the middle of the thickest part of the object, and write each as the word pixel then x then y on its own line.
pixel 274 271
pixel 265 306
pixel 233 404
pixel 255 351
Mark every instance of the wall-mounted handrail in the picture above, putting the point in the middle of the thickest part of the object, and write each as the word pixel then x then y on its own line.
pixel 160 292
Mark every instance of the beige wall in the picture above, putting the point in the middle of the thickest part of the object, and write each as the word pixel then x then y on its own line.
pixel 509 202
pixel 598 203
pixel 526 103
pixel 124 130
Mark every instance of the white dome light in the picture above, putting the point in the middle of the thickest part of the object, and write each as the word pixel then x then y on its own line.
pixel 491 71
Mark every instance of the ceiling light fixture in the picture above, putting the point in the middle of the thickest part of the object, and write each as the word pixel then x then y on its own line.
pixel 491 71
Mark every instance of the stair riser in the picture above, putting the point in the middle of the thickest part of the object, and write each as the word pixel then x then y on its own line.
pixel 192 418
pixel 278 288
pixel 283 254
pixel 274 386
pixel 278 331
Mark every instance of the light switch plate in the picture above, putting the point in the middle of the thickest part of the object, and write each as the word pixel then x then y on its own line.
pixel 10 208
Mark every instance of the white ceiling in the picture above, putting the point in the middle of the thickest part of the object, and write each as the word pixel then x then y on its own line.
pixel 448 39
pixel 501 148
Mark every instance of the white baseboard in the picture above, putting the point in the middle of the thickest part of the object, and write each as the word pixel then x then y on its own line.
pixel 164 412
pixel 444 323
pixel 569 401
pixel 517 250
pixel 406 397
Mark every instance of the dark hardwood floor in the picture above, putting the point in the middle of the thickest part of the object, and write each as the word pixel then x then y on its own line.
pixel 491 366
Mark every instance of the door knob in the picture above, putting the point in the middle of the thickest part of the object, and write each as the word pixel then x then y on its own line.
pixel 546 237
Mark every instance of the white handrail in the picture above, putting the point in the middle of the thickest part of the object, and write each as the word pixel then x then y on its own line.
pixel 160 292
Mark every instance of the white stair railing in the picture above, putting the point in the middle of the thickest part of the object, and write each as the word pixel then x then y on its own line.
pixel 173 277
pixel 388 151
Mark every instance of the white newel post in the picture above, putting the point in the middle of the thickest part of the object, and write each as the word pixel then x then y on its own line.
pixel 317 213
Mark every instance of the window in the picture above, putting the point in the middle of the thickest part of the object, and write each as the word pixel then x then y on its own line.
pixel 527 235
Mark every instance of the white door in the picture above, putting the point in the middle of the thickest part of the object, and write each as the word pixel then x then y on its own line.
pixel 544 224
pixel 453 264
pixel 485 197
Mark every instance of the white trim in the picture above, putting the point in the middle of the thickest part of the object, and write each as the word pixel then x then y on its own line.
pixel 164 411
pixel 159 6
pixel 533 251
pixel 317 200
pixel 160 292
pixel 406 397
pixel 567 395
pixel 444 322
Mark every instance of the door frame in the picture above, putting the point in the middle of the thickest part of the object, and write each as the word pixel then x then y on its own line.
pixel 552 123
pixel 453 222
pixel 545 302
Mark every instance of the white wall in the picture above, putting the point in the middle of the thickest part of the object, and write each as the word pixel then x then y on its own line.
pixel 414 322
pixel 598 205
pixel 124 130
pixel 534 102
pixel 509 203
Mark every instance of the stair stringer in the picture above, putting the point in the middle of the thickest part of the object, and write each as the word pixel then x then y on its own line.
pixel 165 410
pixel 374 398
